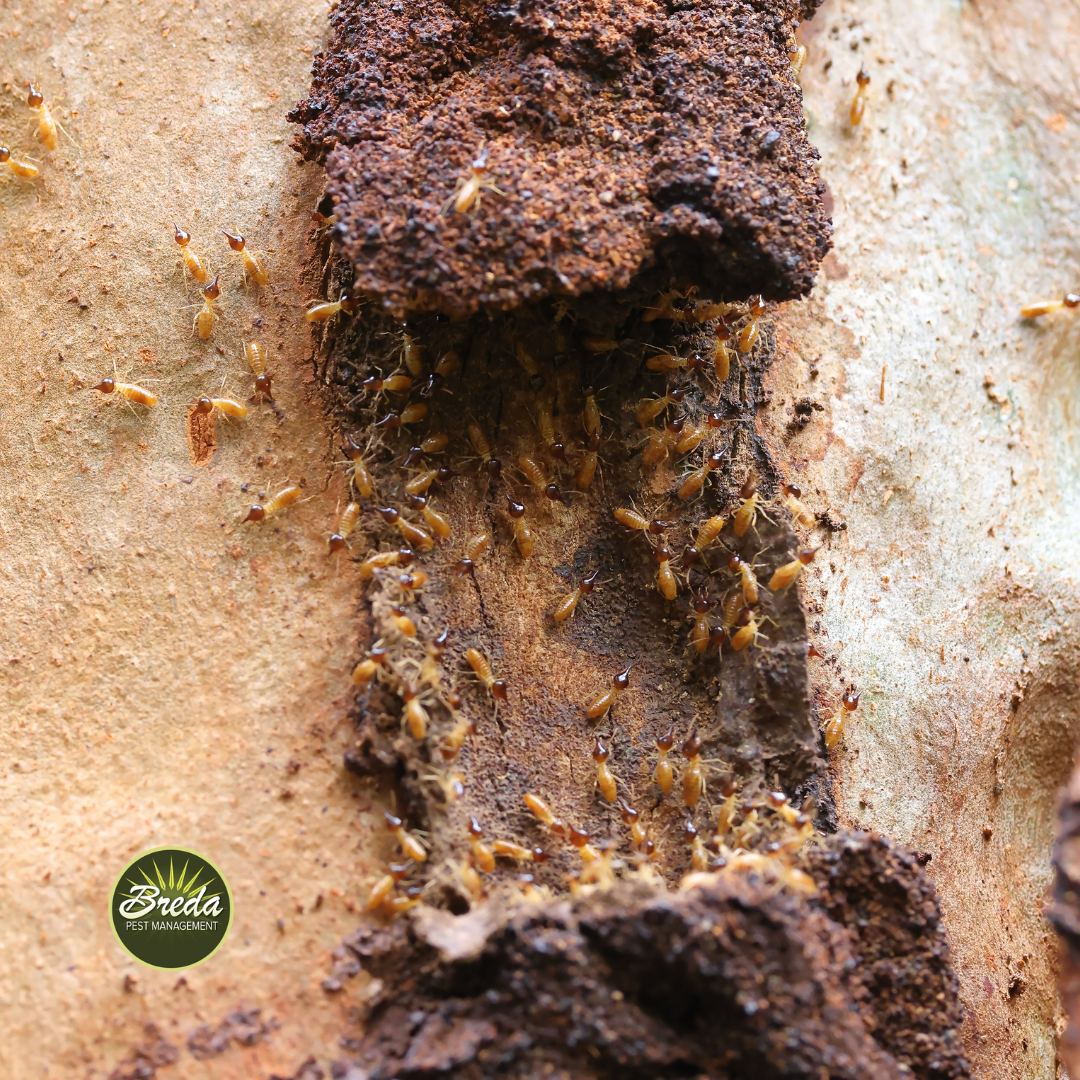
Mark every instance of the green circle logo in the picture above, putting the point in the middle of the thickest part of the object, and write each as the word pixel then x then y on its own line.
pixel 171 908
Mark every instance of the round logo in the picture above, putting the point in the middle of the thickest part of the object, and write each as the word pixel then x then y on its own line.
pixel 170 908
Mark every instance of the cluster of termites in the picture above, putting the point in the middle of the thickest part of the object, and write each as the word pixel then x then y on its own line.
pixel 47 129
pixel 423 674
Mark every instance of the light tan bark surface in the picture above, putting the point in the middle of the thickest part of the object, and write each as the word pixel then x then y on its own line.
pixel 160 696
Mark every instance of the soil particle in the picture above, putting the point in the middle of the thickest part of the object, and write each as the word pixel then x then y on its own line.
pixel 201 434
pixel 630 145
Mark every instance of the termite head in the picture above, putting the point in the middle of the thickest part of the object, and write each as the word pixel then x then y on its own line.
pixel 806 555
pixel 5 153
pixel 749 488
pixel 629 814
pixel 256 513
pixel 348 303
pixel 756 304
pixel 592 444
pixel 716 418
pixel 438 646
pixel 464 566
pixel 236 241
pixel 662 553
pixel 863 78
pixel 388 514
pixel 204 405
pixel 392 823
pixel 578 837
pixel 850 700
pixel 656 526
pixel 776 798
pixel 793 491
pixel 702 603
pixel 514 509
pixel 391 421
pixel 667 740
pixel 499 691
pixel 723 331
pixel 689 831
pixel 337 543
pixel 600 752
pixel 692 747
pixel 622 680
pixel 479 164
pixel 474 828
pixel 445 473
pixel 676 424
pixel 493 467
pixel 352 449
pixel 677 395
pixel 552 492
pixel 715 459
pixel 690 557
pixel 811 650
pixel 734 562
pixel 213 290
pixel 417 502
pixel 182 236
pixel 34 97
pixel 588 584
pixel 106 386
pixel 1071 300
pixel 718 636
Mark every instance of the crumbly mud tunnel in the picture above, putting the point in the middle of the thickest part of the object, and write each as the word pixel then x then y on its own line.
pixel 525 374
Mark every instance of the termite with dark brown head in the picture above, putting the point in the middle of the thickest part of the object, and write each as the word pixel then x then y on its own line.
pixel 545 421
pixel 662 442
pixel 748 579
pixel 792 499
pixel 722 351
pixel 383 559
pixel 569 602
pixel 750 332
pixel 383 889
pixel 666 581
pixel 23 169
pixel 702 629
pixel 858 105
pixel 346 523
pixel 476 547
pixel 633 520
pixel 411 847
pixel 699 857
pixel 689 439
pixel 696 480
pixel 362 480
pixel 664 773
pixel 413 533
pixel 253 265
pixel 469 187
pixel 589 461
pixel 786 574
pixel 328 309
pixel 491 465
pixel 1045 307
pixel 542 812
pixel 402 623
pixel 747 513
pixel 132 393
pixel 605 779
pixel 749 630
pixel 479 663
pixel 47 126
pixel 835 727
pixel 508 849
pixel 256 358
pixel 533 471
pixel 207 405
pixel 415 715
pixel 632 818
pixel 204 321
pixel 191 260
pixel 651 408
pixel 376 661
pixel 482 854
pixel 515 513
pixel 600 704
pixel 694 777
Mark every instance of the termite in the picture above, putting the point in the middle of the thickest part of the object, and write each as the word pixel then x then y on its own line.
pixel 666 362
pixel 365 485
pixel 1045 307
pixel 666 581
pixel 731 608
pixel 492 466
pixel 689 440
pixel 534 472
pixel 798 58
pixel 569 602
pixel 661 442
pixel 545 421
pixel 346 523
pixel 589 461
pixel 542 812
pixel 664 772
pixel 46 124
pixel 479 663
pixel 590 415
pixel 699 857
pixel 23 169
pixel 510 850
pixel 605 779
pixel 787 573
pixel 738 565
pixel 204 321
pixel 411 847
pixel 709 531
pixel 402 622
pixel 382 559
pixel 858 106
pixel 792 497
pixel 382 890
pixel 693 778
pixel 469 188
pixel 452 744
pixel 416 716
pixel 328 309
pixel 604 701
pixel 600 345
pixel 749 334
pixel 696 480
pixel 835 727
pixel 132 393
pixel 482 854
pixel 476 547
pixel 393 384
pixel 528 364
pixel 256 358
pixel 253 267
pixel 702 630
pixel 651 408
pixel 371 666
pixel 437 522
pixel 191 260
pixel 580 839
pixel 515 512
pixel 632 818
pixel 747 512
pixel 227 406
pixel 726 815
pixel 748 631
pixel 413 355
pixel 722 353
pixel 412 533
pixel 633 520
